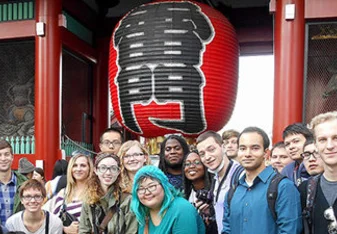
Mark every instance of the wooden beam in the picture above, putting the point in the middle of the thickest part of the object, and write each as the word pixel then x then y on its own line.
pixel 17 29
pixel 75 44
pixel 255 49
pixel 82 12
pixel 318 9
pixel 255 34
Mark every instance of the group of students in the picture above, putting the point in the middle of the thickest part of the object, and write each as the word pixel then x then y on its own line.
pixel 220 185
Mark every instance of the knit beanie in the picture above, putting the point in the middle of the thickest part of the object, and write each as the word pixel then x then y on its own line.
pixel 25 166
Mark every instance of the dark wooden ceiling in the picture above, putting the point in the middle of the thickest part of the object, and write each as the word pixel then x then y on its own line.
pixel 251 19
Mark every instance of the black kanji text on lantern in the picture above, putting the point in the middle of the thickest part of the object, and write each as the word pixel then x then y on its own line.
pixel 160 49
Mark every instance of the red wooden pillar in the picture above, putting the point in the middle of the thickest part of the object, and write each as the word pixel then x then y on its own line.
pixel 47 84
pixel 289 66
pixel 101 91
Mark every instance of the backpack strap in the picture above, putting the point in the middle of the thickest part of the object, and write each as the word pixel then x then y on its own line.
pixel 47 222
pixel 309 203
pixel 111 212
pixel 272 193
pixel 234 184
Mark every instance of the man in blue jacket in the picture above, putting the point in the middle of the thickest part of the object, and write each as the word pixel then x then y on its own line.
pixel 248 211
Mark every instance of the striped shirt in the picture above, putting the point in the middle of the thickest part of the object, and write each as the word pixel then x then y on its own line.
pixel 74 207
pixel 7 194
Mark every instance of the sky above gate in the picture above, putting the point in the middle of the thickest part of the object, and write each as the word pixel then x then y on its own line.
pixel 254 103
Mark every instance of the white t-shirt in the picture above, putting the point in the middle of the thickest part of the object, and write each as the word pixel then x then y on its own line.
pixel 219 203
pixel 15 223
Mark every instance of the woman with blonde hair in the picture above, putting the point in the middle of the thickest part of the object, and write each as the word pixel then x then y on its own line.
pixel 133 157
pixel 68 202
pixel 107 208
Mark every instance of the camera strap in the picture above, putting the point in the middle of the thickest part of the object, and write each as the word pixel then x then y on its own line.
pixel 47 222
pixel 222 180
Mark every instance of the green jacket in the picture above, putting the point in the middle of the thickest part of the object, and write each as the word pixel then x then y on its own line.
pixel 127 220
pixel 17 202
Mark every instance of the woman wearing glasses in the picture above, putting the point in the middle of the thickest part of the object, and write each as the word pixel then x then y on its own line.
pixel 33 219
pixel 160 208
pixel 197 182
pixel 133 157
pixel 107 209
pixel 70 199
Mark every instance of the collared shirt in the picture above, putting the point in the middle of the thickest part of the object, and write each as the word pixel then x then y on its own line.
pixel 7 193
pixel 219 203
pixel 249 212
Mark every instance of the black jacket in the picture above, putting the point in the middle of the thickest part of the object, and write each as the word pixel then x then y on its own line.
pixel 320 224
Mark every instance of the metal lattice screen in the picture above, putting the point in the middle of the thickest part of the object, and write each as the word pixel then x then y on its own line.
pixel 321 69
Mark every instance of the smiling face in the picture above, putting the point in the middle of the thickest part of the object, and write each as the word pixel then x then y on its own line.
pixel 194 170
pixel 326 142
pixel 106 175
pixel 294 146
pixel 32 200
pixel 134 159
pixel 151 193
pixel 251 153
pixel 80 169
pixel 210 152
pixel 313 164
pixel 280 158
pixel 174 153
pixel 6 160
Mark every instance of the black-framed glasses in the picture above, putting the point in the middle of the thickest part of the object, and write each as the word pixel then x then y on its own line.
pixel 150 188
pixel 113 169
pixel 194 163
pixel 307 154
pixel 114 143
pixel 28 198
pixel 136 155
pixel 329 215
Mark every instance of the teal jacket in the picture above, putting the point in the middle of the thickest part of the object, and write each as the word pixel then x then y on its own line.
pixel 17 202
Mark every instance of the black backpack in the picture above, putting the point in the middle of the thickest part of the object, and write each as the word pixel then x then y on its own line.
pixel 271 192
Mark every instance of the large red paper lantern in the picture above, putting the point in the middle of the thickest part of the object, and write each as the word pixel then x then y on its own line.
pixel 173 68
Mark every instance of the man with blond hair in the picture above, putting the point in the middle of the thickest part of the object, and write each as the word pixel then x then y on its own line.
pixel 230 143
pixel 321 217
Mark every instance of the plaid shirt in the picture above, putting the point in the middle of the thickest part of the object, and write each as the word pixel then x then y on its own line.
pixel 7 193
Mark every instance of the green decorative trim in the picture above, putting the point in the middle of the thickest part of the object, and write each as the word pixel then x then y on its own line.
pixel 18 10
pixel 26 145
pixel 78 29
